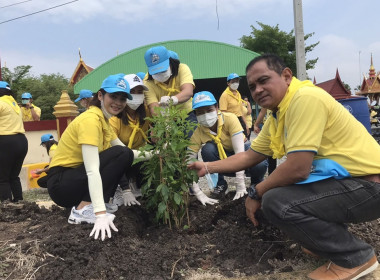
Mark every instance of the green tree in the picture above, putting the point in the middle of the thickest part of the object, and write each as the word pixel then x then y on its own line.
pixel 46 89
pixel 270 39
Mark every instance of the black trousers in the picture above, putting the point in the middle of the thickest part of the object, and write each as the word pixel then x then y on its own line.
pixel 13 149
pixel 69 186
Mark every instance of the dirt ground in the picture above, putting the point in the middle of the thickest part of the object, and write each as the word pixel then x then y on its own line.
pixel 36 243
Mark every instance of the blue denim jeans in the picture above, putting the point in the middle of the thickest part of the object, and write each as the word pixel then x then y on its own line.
pixel 209 152
pixel 316 214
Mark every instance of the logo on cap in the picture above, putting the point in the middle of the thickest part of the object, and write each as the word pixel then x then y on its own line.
pixel 155 58
pixel 201 98
pixel 136 79
pixel 121 84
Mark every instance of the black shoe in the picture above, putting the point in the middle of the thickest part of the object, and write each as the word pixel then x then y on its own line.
pixel 218 190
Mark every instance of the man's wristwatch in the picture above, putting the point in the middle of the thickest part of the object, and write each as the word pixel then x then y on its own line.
pixel 252 193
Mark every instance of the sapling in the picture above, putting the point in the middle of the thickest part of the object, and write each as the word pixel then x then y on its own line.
pixel 166 176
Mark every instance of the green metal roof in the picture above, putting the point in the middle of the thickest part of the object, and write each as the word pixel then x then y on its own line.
pixel 206 59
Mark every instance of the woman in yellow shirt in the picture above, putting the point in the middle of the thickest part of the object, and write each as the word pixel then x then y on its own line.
pixel 169 82
pixel 90 160
pixel 13 145
pixel 132 130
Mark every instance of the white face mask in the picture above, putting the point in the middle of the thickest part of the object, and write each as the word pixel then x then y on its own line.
pixel 163 76
pixel 137 100
pixel 234 86
pixel 104 110
pixel 208 119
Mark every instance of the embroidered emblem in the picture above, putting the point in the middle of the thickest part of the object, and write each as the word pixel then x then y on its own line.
pixel 121 84
pixel 136 79
pixel 202 98
pixel 155 58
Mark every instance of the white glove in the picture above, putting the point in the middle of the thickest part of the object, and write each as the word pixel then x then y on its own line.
pixel 166 100
pixel 241 189
pixel 204 199
pixel 129 198
pixel 103 223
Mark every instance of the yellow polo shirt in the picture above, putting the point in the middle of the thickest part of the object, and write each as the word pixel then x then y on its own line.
pixel 316 122
pixel 124 132
pixel 10 121
pixel 27 114
pixel 230 104
pixel 52 150
pixel 248 117
pixel 155 92
pixel 89 128
pixel 231 127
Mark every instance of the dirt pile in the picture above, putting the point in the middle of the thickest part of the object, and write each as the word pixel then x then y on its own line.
pixel 220 239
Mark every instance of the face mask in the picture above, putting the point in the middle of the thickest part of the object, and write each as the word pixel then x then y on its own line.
pixel 105 112
pixel 163 76
pixel 137 100
pixel 234 86
pixel 208 119
pixel 212 180
pixel 24 101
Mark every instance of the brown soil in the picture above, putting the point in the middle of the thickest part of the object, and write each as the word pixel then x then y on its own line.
pixel 221 241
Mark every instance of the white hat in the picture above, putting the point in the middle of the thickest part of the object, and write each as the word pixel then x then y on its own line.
pixel 134 81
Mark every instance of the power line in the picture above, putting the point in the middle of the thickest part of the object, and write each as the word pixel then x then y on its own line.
pixel 14 4
pixel 39 11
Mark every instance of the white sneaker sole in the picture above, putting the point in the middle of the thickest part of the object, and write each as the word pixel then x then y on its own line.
pixel 367 271
pixel 79 221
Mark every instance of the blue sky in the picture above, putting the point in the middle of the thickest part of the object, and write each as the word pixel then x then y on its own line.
pixel 346 29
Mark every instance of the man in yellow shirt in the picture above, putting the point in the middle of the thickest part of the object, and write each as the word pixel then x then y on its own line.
pixel 329 178
pixel 231 101
pixel 30 112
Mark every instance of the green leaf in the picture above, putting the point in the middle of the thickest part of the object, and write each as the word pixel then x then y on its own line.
pixel 177 198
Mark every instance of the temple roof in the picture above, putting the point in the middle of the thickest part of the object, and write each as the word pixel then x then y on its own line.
pixel 80 71
pixel 370 84
pixel 335 87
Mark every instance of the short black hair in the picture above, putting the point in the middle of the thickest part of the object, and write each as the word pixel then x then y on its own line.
pixel 273 61
pixel 5 91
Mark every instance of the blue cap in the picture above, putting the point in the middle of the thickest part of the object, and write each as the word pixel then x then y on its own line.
pixel 84 93
pixel 325 168
pixel 173 54
pixel 46 137
pixel 4 85
pixel 157 59
pixel 232 76
pixel 26 95
pixel 203 99
pixel 116 83
pixel 141 75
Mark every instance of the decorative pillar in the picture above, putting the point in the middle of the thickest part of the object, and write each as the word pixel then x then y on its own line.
pixel 65 111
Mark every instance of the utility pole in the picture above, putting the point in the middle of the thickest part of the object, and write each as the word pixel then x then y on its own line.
pixel 300 42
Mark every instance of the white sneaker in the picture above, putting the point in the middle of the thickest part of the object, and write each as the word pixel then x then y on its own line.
pixel 118 197
pixel 85 215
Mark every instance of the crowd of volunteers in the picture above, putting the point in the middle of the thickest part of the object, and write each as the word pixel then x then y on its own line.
pixel 329 176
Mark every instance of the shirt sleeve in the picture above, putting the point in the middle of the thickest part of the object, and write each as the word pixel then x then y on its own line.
pixel 89 131
pixel 305 122
pixel 151 95
pixel 223 103
pixel 185 76
pixel 261 143
pixel 196 141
